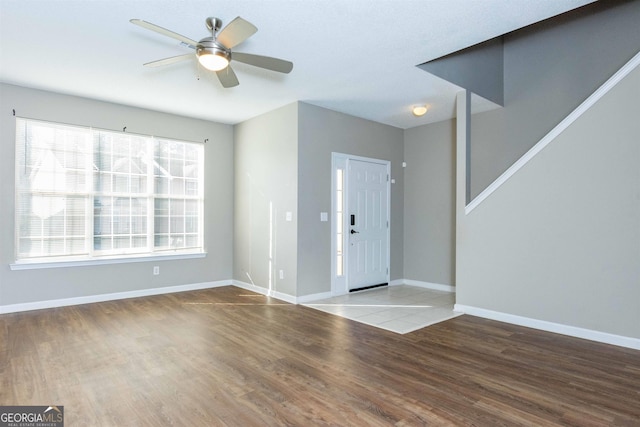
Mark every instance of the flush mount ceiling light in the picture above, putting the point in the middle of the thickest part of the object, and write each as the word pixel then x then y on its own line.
pixel 419 110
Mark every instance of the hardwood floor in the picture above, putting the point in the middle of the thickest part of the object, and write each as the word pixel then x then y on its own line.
pixel 226 356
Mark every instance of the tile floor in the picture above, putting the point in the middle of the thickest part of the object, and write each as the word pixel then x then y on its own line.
pixel 400 309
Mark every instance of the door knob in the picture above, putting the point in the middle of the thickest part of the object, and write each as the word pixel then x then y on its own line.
pixel 354 231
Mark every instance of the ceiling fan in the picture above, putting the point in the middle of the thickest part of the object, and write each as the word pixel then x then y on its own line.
pixel 214 52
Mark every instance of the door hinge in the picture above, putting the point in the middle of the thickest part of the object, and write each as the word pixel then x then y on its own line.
pixel 387 270
pixel 387 224
pixel 387 177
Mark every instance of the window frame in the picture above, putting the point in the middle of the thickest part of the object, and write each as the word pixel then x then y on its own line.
pixel 91 194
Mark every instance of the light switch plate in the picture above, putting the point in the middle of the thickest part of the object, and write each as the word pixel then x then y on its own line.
pixel 289 216
pixel 324 216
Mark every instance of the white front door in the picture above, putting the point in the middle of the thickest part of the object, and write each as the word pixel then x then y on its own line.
pixel 367 223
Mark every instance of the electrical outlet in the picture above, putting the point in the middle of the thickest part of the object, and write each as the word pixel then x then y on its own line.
pixel 282 274
pixel 156 270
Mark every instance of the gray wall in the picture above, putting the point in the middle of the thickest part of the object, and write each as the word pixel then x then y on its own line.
pixel 429 207
pixel 266 188
pixel 478 68
pixel 321 132
pixel 560 240
pixel 549 69
pixel 49 284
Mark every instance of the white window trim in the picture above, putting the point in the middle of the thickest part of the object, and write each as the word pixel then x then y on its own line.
pixel 84 262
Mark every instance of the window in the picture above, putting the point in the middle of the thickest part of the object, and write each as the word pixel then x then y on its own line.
pixel 339 205
pixel 84 193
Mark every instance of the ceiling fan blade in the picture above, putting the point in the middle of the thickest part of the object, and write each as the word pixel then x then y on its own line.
pixel 273 64
pixel 227 77
pixel 236 32
pixel 170 60
pixel 163 31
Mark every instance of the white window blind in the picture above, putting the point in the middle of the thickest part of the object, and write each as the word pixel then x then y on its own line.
pixel 87 193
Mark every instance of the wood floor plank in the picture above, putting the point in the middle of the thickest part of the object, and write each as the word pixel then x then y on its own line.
pixel 229 357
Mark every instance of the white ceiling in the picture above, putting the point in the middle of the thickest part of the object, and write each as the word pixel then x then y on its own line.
pixel 354 56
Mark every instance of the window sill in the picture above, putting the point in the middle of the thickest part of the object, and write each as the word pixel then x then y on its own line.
pixel 34 265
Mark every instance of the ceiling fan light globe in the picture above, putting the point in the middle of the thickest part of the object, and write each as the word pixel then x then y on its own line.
pixel 213 61
pixel 212 56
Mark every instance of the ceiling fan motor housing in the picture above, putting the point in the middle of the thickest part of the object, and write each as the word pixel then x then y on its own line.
pixel 209 46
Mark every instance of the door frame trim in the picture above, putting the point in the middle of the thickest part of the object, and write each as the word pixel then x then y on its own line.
pixel 340 284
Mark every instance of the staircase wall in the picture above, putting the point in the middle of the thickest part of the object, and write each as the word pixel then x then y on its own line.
pixel 549 69
pixel 559 241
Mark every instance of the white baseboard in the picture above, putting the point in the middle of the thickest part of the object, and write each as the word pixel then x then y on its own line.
pixel 39 305
pixel 557 328
pixel 313 297
pixel 420 284
pixel 265 291
pixel 305 299
pixel 284 297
